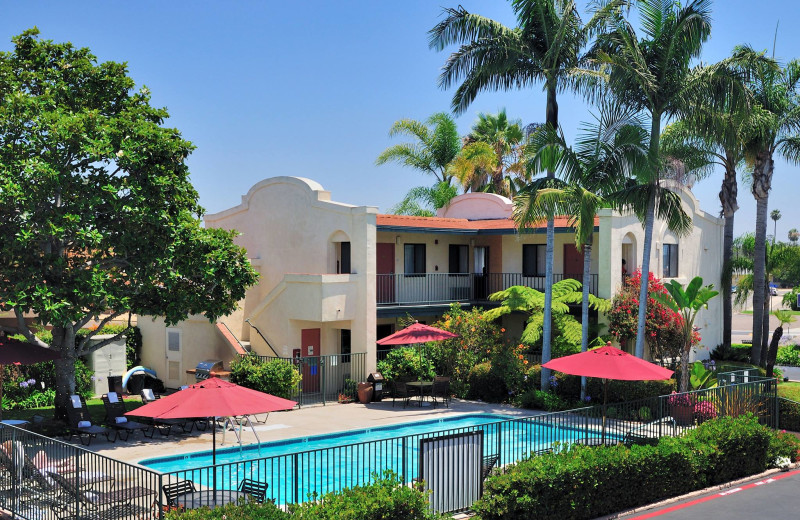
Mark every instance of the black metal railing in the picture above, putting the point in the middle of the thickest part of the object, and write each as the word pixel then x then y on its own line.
pixel 441 288
pixel 325 379
pixel 296 475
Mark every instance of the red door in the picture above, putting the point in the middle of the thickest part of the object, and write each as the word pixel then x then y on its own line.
pixel 573 262
pixel 384 267
pixel 309 350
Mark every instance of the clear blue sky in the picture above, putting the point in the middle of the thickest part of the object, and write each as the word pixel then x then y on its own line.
pixel 311 88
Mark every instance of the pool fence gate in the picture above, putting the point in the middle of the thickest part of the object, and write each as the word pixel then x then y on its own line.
pixel 452 463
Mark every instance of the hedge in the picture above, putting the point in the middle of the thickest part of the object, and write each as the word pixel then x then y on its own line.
pixel 277 376
pixel 386 498
pixel 587 482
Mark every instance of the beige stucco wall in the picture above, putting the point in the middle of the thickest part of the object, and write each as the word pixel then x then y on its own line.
pixel 699 254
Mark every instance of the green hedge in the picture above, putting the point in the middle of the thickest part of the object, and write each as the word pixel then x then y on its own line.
pixel 789 415
pixel 386 498
pixel 277 377
pixel 587 482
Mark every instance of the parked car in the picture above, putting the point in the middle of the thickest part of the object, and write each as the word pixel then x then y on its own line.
pixel 773 289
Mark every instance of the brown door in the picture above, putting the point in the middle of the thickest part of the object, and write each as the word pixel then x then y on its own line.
pixel 384 267
pixel 310 339
pixel 573 262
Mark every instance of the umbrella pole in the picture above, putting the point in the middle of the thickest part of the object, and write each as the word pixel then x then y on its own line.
pixel 605 401
pixel 214 455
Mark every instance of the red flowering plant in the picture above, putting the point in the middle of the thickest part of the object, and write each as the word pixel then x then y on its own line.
pixel 663 326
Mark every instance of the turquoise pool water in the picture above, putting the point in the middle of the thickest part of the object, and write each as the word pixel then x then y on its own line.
pixel 296 467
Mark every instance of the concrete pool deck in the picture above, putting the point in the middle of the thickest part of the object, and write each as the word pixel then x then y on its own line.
pixel 303 422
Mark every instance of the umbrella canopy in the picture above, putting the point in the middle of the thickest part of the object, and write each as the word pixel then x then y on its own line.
pixel 213 398
pixel 15 352
pixel 608 363
pixel 416 333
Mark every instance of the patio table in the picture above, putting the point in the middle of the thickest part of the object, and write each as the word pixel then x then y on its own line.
pixel 421 387
pixel 208 498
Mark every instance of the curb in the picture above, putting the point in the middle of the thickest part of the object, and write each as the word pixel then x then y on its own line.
pixel 695 494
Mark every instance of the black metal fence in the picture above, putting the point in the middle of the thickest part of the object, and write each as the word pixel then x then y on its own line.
pixel 46 479
pixel 437 288
pixel 325 379
pixel 300 474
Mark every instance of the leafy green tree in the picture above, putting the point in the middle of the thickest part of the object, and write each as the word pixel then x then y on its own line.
pixel 436 144
pixel 526 299
pixel 97 215
pixel 687 303
pixel 793 236
pixel 653 74
pixel 775 91
pixel 545 48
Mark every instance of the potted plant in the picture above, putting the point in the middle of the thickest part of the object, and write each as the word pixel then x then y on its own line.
pixel 682 408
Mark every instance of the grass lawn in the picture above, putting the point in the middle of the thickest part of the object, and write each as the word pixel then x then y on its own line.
pixel 789 390
pixel 794 313
pixel 50 427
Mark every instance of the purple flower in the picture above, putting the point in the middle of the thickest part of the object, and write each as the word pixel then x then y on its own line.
pixel 587 398
pixel 31 381
pixel 23 384
pixel 94 378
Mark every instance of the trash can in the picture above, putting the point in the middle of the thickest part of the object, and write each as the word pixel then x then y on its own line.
pixel 378 383
pixel 364 393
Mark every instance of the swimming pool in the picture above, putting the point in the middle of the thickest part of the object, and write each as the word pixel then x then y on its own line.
pixel 295 468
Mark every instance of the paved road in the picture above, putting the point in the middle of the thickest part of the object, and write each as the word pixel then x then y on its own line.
pixel 765 498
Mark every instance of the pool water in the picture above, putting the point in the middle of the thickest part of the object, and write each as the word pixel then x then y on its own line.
pixel 295 468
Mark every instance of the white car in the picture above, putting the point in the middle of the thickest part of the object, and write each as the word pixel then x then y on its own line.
pixel 773 291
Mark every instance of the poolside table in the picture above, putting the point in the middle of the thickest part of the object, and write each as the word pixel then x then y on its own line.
pixel 421 387
pixel 208 498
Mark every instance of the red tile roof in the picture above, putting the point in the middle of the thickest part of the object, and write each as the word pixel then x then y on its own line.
pixel 396 221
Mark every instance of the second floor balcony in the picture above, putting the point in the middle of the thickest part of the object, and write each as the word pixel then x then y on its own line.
pixel 444 288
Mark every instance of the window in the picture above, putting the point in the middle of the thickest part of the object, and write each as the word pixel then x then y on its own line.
pixel 414 259
pixel 670 260
pixel 459 259
pixel 533 259
pixel 344 345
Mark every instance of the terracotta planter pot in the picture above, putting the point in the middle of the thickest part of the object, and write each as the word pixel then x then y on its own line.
pixel 683 414
pixel 365 392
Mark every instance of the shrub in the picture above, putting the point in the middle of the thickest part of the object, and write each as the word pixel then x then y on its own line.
pixel 783 445
pixel 789 415
pixel 486 384
pixel 788 355
pixel 245 511
pixel 387 497
pixel 41 392
pixel 277 377
pixel 587 482
pixel 407 364
pixel 738 352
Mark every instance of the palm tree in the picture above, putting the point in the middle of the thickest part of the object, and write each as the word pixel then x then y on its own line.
pixel 604 153
pixel 496 173
pixel 775 215
pixel 653 74
pixel 793 236
pixel 775 91
pixel 544 48
pixel 436 145
pixel 423 201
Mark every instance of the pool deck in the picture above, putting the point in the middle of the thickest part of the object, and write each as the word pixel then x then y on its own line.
pixel 303 422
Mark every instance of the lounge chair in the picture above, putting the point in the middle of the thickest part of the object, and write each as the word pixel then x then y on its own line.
pixel 79 423
pixel 257 490
pixel 101 505
pixel 488 464
pixel 173 491
pixel 115 418
pixel 164 426
pixel 441 389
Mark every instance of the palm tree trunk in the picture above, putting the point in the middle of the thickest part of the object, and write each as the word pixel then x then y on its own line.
pixel 728 198
pixel 762 179
pixel 655 134
pixel 587 277
pixel 547 328
pixel 765 327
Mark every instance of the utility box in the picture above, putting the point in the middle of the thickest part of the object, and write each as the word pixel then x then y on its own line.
pixel 377 380
pixel 107 363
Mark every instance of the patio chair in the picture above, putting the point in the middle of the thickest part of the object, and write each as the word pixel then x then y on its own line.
pixel 79 423
pixel 401 390
pixel 257 490
pixel 103 505
pixel 175 490
pixel 489 462
pixel 115 418
pixel 164 426
pixel 441 389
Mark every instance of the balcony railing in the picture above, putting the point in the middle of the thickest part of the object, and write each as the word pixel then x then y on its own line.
pixel 441 288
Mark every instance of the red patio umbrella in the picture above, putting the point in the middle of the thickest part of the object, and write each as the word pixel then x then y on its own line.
pixel 416 333
pixel 608 363
pixel 213 398
pixel 15 352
